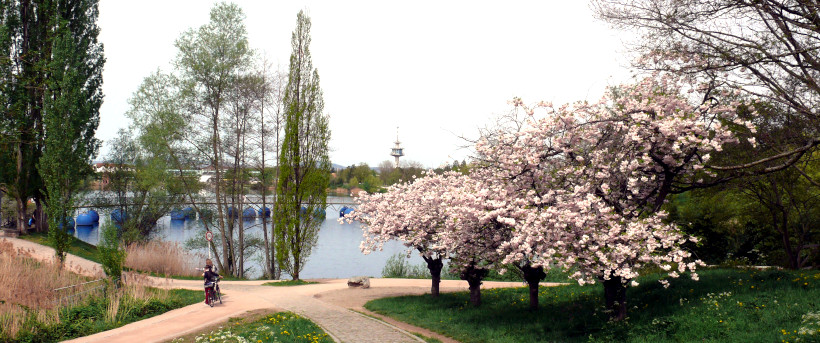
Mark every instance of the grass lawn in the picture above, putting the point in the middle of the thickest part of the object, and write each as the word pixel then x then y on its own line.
pixel 726 305
pixel 282 327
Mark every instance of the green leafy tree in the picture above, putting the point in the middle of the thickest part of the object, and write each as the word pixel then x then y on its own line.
pixel 211 60
pixel 72 96
pixel 303 161
pixel 142 185
pixel 26 37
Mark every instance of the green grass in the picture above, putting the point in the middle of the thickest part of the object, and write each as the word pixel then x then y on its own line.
pixel 78 247
pixel 724 306
pixel 89 318
pixel 289 283
pixel 282 327
pixel 426 339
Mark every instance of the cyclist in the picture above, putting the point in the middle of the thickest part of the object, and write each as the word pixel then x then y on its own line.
pixel 210 276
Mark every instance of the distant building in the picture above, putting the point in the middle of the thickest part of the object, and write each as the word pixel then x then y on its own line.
pixel 397 150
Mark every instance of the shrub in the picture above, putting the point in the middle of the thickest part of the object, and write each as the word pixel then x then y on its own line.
pixel 398 267
pixel 111 255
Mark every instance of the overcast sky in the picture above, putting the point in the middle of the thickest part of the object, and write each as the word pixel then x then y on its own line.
pixel 435 69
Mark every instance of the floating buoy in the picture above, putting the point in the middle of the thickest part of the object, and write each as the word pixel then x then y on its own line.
pixel 85 219
pixel 94 216
pixel 177 214
pixel 232 213
pixel 248 213
pixel 345 211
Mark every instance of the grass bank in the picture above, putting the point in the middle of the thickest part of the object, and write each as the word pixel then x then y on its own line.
pixel 39 303
pixel 78 247
pixel 287 283
pixel 724 306
pixel 282 327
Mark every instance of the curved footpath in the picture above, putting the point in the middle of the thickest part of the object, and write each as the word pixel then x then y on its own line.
pixel 330 304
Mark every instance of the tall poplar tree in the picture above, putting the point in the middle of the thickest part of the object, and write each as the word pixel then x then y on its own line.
pixel 72 95
pixel 25 47
pixel 301 193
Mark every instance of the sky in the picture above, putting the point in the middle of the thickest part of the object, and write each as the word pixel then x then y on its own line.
pixel 437 70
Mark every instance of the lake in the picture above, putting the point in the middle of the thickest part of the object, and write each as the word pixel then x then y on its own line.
pixel 336 254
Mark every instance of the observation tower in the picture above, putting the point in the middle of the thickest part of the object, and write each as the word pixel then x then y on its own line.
pixel 397 150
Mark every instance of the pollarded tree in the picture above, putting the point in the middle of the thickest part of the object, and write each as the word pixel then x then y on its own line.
pixel 304 165
pixel 593 178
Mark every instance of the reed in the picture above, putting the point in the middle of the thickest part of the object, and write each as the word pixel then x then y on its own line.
pixel 29 284
pixel 163 258
pixel 34 291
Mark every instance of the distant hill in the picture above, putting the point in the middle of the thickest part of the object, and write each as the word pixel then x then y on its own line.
pixel 340 167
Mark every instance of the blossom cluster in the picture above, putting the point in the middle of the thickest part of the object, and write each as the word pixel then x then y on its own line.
pixel 576 187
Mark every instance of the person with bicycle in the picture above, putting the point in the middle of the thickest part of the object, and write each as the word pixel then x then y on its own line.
pixel 210 278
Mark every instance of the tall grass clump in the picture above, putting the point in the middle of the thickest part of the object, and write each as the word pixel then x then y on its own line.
pixel 36 304
pixel 163 258
pixel 27 289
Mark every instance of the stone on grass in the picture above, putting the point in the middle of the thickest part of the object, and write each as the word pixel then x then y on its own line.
pixel 359 281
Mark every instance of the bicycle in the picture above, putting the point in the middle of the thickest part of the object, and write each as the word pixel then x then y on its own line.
pixel 213 294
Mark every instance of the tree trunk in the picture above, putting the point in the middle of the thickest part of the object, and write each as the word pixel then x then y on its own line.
pixel 533 276
pixel 296 268
pixel 22 224
pixel 615 297
pixel 40 216
pixel 434 265
pixel 473 276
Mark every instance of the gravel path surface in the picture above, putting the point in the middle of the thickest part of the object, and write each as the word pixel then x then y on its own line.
pixel 328 304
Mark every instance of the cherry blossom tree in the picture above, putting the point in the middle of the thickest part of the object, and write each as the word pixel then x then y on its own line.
pixel 411 212
pixel 474 228
pixel 591 177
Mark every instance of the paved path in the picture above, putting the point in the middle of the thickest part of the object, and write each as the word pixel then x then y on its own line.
pixel 328 304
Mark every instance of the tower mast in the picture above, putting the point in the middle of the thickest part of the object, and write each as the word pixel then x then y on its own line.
pixel 397 150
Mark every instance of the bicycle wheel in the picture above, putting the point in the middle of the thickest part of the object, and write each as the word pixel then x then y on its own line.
pixel 212 298
pixel 218 294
